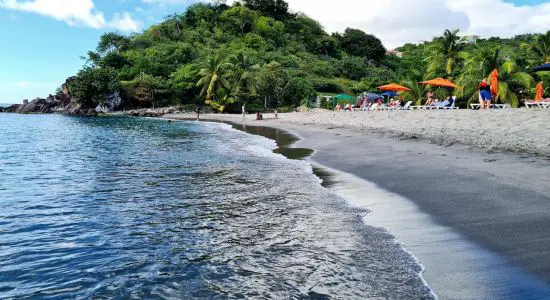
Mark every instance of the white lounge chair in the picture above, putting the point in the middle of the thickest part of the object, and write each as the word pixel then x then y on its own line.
pixel 453 106
pixel 537 104
pixel 407 106
pixel 493 106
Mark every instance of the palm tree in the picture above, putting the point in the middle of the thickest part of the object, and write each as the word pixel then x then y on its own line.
pixel 480 63
pixel 445 54
pixel 541 48
pixel 213 81
pixel 243 78
pixel 511 80
pixel 417 91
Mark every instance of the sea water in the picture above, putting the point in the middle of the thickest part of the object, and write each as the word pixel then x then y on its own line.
pixel 141 208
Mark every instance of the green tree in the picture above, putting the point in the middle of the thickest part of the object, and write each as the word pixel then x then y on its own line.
pixel 541 48
pixel 271 82
pixel 112 42
pixel 239 19
pixel 298 90
pixel 92 85
pixel 277 9
pixel 444 54
pixel 199 15
pixel 183 82
pixel 255 41
pixel 271 30
pixel 213 80
pixel 357 43
pixel 243 77
pixel 327 46
pixel 148 87
pixel 417 91
pixel 511 80
pixel 353 68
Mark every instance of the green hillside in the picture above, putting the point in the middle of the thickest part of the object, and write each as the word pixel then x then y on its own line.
pixel 259 53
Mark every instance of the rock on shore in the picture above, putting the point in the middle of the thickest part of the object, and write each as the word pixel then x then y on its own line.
pixel 147 112
pixel 63 102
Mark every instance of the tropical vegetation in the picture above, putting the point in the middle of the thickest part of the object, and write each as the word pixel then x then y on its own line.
pixel 259 53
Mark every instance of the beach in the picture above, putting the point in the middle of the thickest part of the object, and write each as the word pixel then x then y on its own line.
pixel 481 175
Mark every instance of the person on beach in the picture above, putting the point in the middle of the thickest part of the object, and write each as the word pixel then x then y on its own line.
pixel 484 95
pixel 430 100
pixel 276 113
pixel 338 107
pixel 198 111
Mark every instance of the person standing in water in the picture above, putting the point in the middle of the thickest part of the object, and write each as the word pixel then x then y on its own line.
pixel 484 95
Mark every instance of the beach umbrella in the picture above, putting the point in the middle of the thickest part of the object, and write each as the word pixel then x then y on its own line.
pixel 440 82
pixel 538 94
pixel 494 82
pixel 373 96
pixel 389 94
pixel 393 87
pixel 344 97
pixel 545 67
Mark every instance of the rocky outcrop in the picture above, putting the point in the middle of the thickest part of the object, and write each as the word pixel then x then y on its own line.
pixel 38 105
pixel 112 103
pixel 147 112
pixel 62 102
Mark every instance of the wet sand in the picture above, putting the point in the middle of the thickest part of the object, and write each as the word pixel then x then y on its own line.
pixel 491 210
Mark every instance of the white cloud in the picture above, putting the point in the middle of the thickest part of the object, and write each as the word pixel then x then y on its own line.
pixel 125 23
pixel 170 2
pixel 393 21
pixel 73 12
pixel 498 18
pixel 397 22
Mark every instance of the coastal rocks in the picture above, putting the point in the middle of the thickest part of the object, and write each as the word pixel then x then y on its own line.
pixel 147 112
pixel 38 105
pixel 112 103
pixel 76 109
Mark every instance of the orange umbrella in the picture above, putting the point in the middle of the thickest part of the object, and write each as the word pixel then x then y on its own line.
pixel 538 95
pixel 440 82
pixel 494 82
pixel 393 87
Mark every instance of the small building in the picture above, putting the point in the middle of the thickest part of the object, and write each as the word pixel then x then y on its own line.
pixel 394 52
pixel 471 39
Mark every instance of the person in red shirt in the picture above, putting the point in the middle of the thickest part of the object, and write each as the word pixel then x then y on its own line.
pixel 485 94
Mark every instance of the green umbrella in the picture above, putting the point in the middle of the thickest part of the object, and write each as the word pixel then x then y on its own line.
pixel 344 97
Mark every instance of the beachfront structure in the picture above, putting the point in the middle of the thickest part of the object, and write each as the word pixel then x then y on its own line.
pixel 395 52
pixel 471 39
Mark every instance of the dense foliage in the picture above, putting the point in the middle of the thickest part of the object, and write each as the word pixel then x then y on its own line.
pixel 257 52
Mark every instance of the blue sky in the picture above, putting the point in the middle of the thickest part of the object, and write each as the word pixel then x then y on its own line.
pixel 39 51
pixel 43 40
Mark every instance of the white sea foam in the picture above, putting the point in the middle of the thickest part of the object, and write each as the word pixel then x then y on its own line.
pixel 348 184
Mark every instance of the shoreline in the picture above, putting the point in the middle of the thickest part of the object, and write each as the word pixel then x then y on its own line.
pixel 467 239
pixel 514 131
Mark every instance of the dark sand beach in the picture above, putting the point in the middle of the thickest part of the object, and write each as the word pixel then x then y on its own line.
pixel 484 215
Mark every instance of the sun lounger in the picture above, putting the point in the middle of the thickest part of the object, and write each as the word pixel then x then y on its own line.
pixel 407 106
pixel 493 106
pixel 538 104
